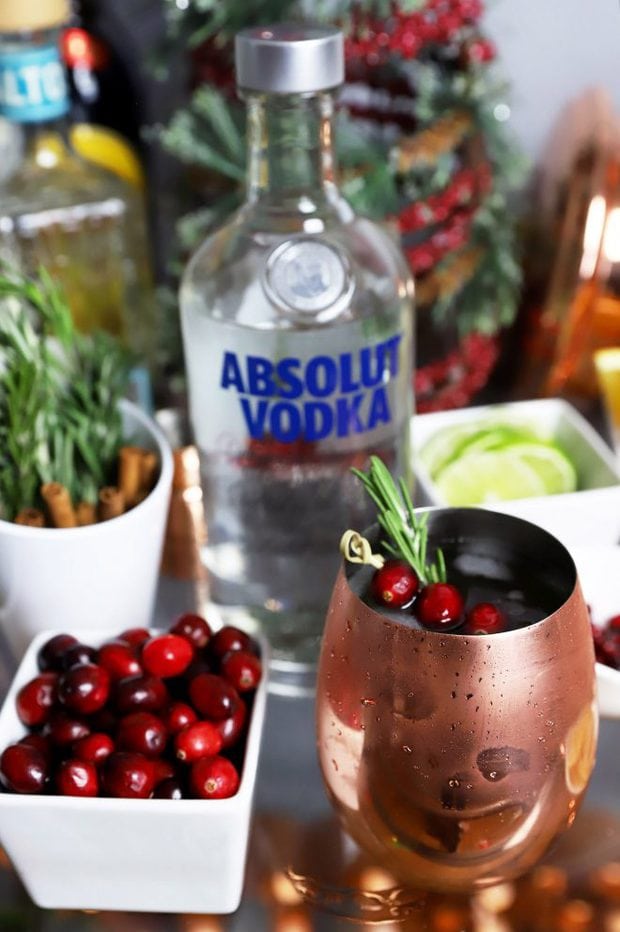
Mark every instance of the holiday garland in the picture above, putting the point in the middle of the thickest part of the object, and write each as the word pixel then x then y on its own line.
pixel 421 145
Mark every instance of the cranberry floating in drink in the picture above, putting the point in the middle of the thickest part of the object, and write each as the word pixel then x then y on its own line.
pixel 456 755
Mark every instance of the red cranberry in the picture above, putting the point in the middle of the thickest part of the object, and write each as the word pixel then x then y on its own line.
pixel 23 769
pixel 169 789
pixel 40 743
pixel 213 696
pixel 84 689
pixel 485 618
pixel 50 654
pixel 232 728
pixel 77 778
pixel 135 637
pixel 242 669
pixel 35 700
pixel 141 694
pixel 142 732
pixel 118 658
pixel 395 584
pixel 194 628
pixel 227 639
pixel 200 739
pixel 129 775
pixel 77 655
pixel 94 748
pixel 178 716
pixel 214 778
pixel 167 655
pixel 439 606
pixel 613 624
pixel 63 729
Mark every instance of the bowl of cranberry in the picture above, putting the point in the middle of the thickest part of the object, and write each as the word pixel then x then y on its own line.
pixel 128 764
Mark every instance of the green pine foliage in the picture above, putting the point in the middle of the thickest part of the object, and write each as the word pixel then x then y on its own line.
pixel 59 394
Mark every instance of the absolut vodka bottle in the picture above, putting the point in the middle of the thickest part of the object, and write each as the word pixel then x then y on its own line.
pixel 297 325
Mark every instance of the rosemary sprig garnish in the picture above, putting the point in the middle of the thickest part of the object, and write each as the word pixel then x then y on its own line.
pixel 59 393
pixel 407 533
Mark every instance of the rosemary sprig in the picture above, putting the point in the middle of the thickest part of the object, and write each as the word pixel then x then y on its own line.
pixel 59 393
pixel 407 533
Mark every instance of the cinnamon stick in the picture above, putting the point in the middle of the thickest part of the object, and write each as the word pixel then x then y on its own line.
pixel 30 517
pixel 130 473
pixel 148 471
pixel 58 501
pixel 85 513
pixel 111 503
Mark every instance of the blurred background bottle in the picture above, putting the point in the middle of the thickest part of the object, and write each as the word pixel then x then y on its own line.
pixel 83 223
pixel 297 325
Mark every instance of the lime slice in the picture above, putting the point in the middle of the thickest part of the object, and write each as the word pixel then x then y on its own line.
pixel 551 465
pixel 451 443
pixel 498 437
pixel 445 445
pixel 483 478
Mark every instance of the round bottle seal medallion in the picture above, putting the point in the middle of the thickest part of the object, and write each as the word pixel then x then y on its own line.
pixel 307 277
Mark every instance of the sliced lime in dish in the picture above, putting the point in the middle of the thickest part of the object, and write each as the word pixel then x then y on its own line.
pixel 451 443
pixel 487 477
pixel 445 445
pixel 551 465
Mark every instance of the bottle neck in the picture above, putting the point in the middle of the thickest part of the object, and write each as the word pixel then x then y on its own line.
pixel 33 85
pixel 290 149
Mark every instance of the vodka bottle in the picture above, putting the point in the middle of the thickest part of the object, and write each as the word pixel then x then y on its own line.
pixel 297 327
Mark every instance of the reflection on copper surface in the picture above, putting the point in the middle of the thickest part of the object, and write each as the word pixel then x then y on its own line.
pixel 192 923
pixel 295 919
pixel 186 531
pixel 584 867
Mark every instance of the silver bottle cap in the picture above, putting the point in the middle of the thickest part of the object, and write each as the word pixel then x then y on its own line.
pixel 289 58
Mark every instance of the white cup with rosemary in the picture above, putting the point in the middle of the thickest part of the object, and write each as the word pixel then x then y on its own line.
pixel 85 475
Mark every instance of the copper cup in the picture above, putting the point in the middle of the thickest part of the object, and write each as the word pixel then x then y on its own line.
pixel 456 759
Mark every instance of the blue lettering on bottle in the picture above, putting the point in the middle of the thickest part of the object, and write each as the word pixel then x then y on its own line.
pixel 353 389
pixel 321 376
pixel 348 415
pixel 33 86
pixel 347 382
pixel 231 373
pixel 318 419
pixel 368 356
pixel 260 377
pixel 290 384
pixel 255 421
pixel 379 409
pixel 285 422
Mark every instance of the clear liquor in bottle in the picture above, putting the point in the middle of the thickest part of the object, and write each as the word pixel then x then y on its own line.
pixel 82 223
pixel 297 326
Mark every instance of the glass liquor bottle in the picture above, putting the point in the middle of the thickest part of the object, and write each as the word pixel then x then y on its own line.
pixel 85 225
pixel 297 322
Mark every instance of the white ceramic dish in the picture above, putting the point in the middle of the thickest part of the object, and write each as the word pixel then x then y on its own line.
pixel 599 573
pixel 150 855
pixel 103 575
pixel 592 514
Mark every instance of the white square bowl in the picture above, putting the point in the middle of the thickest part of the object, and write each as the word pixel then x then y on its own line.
pixel 590 515
pixel 148 855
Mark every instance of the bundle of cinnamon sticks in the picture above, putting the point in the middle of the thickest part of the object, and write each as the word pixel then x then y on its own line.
pixel 137 471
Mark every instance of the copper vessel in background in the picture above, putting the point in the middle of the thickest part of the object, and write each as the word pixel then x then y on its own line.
pixel 457 759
